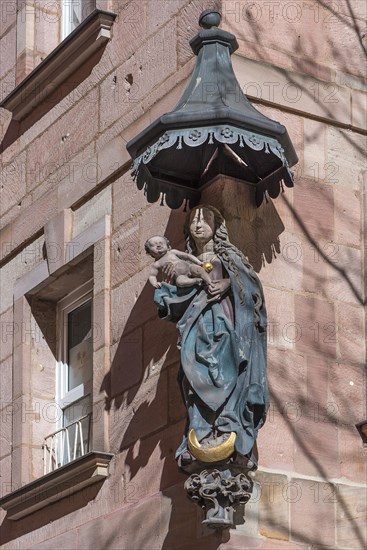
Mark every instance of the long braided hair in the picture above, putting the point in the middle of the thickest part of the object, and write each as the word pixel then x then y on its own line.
pixel 223 248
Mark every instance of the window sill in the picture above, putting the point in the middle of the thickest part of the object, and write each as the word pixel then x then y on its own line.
pixel 66 480
pixel 65 59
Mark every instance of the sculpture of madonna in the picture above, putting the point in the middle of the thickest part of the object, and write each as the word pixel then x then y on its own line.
pixel 222 342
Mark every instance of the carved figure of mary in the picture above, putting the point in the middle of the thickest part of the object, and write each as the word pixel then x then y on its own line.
pixel 222 340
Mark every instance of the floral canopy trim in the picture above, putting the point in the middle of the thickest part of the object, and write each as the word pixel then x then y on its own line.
pixel 226 134
pixel 198 136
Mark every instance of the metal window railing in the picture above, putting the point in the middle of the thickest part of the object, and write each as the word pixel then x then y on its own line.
pixel 67 444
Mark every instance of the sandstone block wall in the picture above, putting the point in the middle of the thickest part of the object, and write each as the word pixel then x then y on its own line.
pixel 301 63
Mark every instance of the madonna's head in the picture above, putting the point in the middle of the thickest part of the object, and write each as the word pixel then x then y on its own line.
pixel 204 223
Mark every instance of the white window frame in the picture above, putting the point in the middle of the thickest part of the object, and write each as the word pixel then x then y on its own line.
pixel 72 301
pixel 82 8
pixel 68 7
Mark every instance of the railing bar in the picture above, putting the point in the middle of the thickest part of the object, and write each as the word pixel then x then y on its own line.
pixel 75 441
pixel 81 437
pixel 71 423
pixel 44 460
pixel 50 463
pixel 62 452
pixel 68 441
pixel 89 430
pixel 58 449
pixel 60 444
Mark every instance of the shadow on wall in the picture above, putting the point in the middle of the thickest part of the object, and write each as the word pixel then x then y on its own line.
pixel 324 405
pixel 320 38
pixel 143 396
pixel 11 530
pixel 253 230
pixel 147 416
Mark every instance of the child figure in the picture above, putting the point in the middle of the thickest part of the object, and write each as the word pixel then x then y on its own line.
pixel 187 270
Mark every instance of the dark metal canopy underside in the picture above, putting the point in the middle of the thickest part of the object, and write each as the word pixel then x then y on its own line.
pixel 213 130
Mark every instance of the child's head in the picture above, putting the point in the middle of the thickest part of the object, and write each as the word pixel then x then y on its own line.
pixel 157 246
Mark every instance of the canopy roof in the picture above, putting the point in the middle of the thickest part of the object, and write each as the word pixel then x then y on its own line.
pixel 213 130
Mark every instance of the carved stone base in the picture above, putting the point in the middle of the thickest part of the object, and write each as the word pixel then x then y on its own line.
pixel 219 493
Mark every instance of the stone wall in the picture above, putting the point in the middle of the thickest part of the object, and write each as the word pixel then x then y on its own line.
pixel 301 63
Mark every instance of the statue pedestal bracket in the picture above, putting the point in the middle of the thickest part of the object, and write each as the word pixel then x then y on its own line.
pixel 219 492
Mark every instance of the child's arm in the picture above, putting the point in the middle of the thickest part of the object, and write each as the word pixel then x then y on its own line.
pixel 187 257
pixel 153 276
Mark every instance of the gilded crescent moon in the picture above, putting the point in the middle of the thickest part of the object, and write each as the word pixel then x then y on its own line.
pixel 211 454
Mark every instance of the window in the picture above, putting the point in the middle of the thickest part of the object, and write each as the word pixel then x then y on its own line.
pixel 74 375
pixel 61 356
pixel 72 14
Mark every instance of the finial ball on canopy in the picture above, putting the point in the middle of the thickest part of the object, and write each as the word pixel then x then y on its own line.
pixel 209 18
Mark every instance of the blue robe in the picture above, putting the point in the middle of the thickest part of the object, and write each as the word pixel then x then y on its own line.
pixel 223 360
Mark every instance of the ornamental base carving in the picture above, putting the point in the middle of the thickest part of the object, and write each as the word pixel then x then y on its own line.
pixel 219 493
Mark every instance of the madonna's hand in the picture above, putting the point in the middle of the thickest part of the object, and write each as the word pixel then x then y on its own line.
pixel 217 289
pixel 168 272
